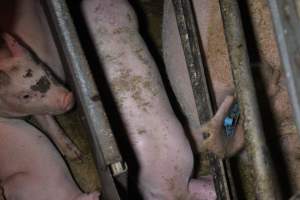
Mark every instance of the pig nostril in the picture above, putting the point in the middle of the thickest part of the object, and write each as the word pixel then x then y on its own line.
pixel 26 96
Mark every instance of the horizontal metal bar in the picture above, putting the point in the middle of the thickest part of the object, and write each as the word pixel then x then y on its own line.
pixel 103 143
pixel 287 28
pixel 265 181
pixel 190 42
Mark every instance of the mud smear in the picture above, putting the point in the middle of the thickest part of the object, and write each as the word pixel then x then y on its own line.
pixel 4 79
pixel 127 83
pixel 42 86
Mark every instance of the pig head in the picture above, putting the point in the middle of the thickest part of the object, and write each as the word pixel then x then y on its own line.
pixel 26 85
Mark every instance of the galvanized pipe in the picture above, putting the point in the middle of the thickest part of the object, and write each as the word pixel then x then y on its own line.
pixel 265 181
pixel 190 43
pixel 102 140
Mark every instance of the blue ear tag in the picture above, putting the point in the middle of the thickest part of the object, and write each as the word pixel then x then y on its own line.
pixel 231 120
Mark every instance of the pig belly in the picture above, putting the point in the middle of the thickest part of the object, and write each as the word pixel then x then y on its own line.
pixel 213 43
pixel 163 153
pixel 31 167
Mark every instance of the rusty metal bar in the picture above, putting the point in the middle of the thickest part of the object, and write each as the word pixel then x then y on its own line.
pixel 190 43
pixel 106 153
pixel 265 183
pixel 286 25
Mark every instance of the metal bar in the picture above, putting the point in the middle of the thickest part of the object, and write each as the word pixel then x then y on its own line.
pixel 286 25
pixel 105 149
pixel 264 176
pixel 190 43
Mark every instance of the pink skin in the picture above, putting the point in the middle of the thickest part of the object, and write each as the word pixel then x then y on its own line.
pixel 44 166
pixel 163 152
pixel 28 88
pixel 210 25
pixel 31 168
pixel 18 16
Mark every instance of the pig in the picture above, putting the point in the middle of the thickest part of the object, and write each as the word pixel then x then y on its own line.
pixel 158 139
pixel 27 21
pixel 27 87
pixel 31 168
pixel 272 92
pixel 214 50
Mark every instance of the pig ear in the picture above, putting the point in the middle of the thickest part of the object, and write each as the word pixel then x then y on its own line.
pixel 13 45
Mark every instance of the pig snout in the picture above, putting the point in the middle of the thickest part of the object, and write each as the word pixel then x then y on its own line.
pixel 60 100
pixel 67 101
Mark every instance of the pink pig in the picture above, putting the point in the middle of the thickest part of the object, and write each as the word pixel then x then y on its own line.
pixel 27 87
pixel 31 168
pixel 26 20
pixel 163 152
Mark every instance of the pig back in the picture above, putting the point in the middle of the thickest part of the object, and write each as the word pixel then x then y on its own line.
pixel 30 165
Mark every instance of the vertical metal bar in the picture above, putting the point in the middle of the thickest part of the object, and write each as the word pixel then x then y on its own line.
pixel 265 180
pixel 287 28
pixel 104 146
pixel 190 43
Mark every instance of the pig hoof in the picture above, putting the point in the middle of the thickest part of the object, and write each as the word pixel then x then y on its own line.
pixel 91 196
pixel 71 152
pixel 215 141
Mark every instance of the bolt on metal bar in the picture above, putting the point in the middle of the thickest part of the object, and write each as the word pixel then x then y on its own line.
pixel 190 43
pixel 104 146
pixel 265 181
pixel 286 25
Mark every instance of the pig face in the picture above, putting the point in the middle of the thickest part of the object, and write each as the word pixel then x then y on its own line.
pixel 26 85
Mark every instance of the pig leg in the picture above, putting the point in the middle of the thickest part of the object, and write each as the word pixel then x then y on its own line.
pixel 214 139
pixel 64 144
pixel 91 196
pixel 200 188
